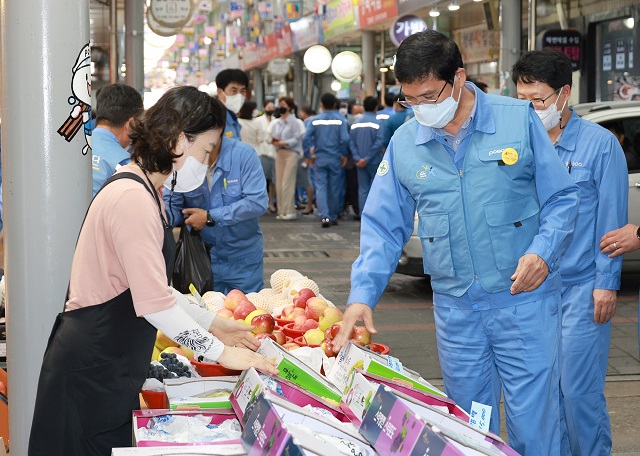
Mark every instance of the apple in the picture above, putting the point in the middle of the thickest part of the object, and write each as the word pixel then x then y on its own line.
pixel 233 298
pixel 244 308
pixel 300 299
pixel 247 321
pixel 263 323
pixel 330 316
pixel 361 334
pixel 286 311
pixel 280 337
pixel 335 329
pixel 163 342
pixel 296 312
pixel 266 336
pixel 299 321
pixel 315 308
pixel 290 346
pixel 225 313
pixel 309 324
pixel 313 336
pixel 326 347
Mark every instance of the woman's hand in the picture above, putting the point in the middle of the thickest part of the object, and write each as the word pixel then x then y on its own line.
pixel 237 358
pixel 232 332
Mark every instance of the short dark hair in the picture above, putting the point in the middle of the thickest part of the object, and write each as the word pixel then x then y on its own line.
pixel 289 102
pixel 328 101
pixel 308 110
pixel 427 54
pixel 182 109
pixel 548 66
pixel 226 77
pixel 246 111
pixel 116 104
pixel 389 98
pixel 370 104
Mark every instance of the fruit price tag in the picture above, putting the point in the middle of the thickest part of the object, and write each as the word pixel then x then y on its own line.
pixel 394 363
pixel 196 295
pixel 480 416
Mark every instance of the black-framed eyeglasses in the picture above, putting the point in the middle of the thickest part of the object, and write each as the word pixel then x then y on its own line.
pixel 539 102
pixel 410 104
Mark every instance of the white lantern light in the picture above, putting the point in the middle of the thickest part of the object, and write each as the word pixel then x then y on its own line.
pixel 317 59
pixel 335 86
pixel 346 66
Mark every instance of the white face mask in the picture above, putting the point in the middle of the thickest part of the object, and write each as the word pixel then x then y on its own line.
pixel 234 102
pixel 551 116
pixel 189 177
pixel 437 115
pixel 343 111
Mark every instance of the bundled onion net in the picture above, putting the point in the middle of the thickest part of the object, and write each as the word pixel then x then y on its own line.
pixel 214 300
pixel 278 278
pixel 293 286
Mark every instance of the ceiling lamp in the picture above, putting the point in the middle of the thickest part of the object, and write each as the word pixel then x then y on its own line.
pixel 346 66
pixel 434 12
pixel 453 6
pixel 317 59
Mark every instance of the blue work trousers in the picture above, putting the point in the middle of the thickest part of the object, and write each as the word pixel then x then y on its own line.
pixel 515 348
pixel 365 179
pixel 584 359
pixel 245 273
pixel 329 190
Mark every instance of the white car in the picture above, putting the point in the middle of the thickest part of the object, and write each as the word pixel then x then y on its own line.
pixel 627 113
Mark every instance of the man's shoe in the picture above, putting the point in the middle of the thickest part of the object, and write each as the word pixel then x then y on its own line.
pixel 325 223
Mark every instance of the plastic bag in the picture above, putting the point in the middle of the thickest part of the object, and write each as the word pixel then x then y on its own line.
pixel 193 264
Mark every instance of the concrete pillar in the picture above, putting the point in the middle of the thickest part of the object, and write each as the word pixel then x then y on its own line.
pixel 134 43
pixel 258 87
pixel 47 179
pixel 533 24
pixel 509 43
pixel 368 62
pixel 113 41
pixel 298 77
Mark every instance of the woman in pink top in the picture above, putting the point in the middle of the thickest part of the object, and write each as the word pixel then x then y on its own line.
pixel 99 349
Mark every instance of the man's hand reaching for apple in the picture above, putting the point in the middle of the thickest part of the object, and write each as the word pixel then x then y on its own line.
pixel 356 312
pixel 233 333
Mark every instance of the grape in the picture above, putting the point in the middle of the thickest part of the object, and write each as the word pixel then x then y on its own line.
pixel 163 355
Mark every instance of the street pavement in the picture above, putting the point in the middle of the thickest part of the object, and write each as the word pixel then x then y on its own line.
pixel 404 316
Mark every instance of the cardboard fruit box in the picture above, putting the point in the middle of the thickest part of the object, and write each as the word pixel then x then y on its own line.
pixel 233 449
pixel 199 393
pixel 353 356
pixel 142 417
pixel 252 383
pixel 278 427
pixel 297 372
pixel 399 425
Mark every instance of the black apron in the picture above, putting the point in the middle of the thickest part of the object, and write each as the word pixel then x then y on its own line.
pixel 94 366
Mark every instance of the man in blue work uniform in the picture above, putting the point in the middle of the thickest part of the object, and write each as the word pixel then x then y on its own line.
pixel 367 135
pixel 232 86
pixel 394 122
pixel 117 106
pixel 596 163
pixel 496 209
pixel 328 135
pixel 235 195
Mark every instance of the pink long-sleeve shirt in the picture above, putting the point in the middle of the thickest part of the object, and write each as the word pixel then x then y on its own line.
pixel 120 248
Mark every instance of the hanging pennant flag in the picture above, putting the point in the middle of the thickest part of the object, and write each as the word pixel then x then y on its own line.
pixel 292 11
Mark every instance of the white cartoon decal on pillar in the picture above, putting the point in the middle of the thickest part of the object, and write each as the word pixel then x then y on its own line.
pixel 81 100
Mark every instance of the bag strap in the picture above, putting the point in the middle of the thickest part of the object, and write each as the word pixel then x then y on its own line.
pixel 115 177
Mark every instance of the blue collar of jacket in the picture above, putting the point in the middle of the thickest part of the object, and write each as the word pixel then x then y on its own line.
pixel 570 132
pixel 233 116
pixel 101 131
pixel 224 159
pixel 484 120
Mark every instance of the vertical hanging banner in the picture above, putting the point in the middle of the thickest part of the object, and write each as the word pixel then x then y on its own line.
pixel 338 19
pixel 371 12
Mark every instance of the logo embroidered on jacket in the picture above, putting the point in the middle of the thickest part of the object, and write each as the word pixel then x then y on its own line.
pixel 383 168
pixel 425 172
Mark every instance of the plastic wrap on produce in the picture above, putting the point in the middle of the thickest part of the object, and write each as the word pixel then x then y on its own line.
pixel 188 429
pixel 292 286
pixel 214 300
pixel 312 357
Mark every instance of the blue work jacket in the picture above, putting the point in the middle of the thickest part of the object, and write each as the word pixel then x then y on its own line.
pixel 328 132
pixel 367 135
pixel 596 163
pixel 108 156
pixel 511 195
pixel 236 200
pixel 232 127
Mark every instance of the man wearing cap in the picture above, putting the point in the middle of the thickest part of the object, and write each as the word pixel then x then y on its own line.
pixel 496 209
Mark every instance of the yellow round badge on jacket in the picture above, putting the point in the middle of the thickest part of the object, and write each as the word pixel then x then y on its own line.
pixel 509 156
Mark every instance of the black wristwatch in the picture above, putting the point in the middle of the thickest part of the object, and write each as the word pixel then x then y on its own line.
pixel 638 233
pixel 210 220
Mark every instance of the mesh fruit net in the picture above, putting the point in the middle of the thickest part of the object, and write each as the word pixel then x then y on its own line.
pixel 278 278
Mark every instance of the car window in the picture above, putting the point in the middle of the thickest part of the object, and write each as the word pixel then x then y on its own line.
pixel 631 143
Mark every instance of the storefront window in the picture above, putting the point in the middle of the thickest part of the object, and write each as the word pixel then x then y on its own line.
pixel 618 72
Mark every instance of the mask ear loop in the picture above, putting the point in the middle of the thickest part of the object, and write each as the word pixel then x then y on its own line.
pixel 562 109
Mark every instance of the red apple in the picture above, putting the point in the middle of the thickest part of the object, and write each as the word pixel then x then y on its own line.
pixel 299 321
pixel 326 347
pixel 330 316
pixel 286 311
pixel 233 298
pixel 280 337
pixel 263 324
pixel 244 308
pixel 362 335
pixel 315 308
pixel 266 336
pixel 296 312
pixel 226 313
pixel 335 329
pixel 290 346
pixel 300 299
pixel 309 324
